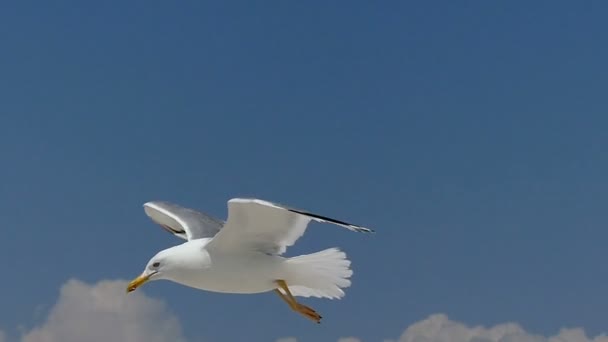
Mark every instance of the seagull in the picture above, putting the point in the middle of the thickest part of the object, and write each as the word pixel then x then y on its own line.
pixel 244 253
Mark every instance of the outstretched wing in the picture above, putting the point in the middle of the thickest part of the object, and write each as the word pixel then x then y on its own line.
pixel 185 223
pixel 266 226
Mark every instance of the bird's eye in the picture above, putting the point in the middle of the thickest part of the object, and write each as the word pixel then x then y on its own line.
pixel 156 264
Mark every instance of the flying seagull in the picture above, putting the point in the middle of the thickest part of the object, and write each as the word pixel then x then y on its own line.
pixel 243 254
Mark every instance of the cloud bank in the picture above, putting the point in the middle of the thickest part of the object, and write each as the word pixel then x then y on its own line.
pixel 103 312
pixel 439 328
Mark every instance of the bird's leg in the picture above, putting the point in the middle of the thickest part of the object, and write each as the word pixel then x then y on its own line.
pixel 293 303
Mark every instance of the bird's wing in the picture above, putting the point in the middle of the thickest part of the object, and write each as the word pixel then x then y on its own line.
pixel 266 226
pixel 185 223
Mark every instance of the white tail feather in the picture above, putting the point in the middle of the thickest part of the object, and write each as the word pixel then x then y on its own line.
pixel 323 274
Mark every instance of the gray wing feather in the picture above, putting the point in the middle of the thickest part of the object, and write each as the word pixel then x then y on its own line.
pixel 186 223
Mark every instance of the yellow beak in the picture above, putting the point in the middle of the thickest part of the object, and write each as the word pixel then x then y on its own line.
pixel 137 282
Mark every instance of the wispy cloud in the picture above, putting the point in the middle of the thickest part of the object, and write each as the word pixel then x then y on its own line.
pixel 103 312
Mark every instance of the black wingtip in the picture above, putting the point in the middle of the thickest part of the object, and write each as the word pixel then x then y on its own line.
pixel 332 220
pixel 173 231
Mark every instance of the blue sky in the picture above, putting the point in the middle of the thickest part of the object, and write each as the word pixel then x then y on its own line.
pixel 470 135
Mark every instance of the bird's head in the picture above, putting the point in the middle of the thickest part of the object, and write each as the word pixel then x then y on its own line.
pixel 155 269
pixel 174 263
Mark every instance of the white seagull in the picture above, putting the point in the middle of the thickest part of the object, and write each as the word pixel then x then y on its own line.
pixel 243 254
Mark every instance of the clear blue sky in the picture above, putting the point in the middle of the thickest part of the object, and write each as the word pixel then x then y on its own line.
pixel 471 135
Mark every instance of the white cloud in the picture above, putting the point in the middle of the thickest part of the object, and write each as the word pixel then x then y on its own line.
pixel 2 336
pixel 439 328
pixel 103 312
pixel 342 339
pixel 287 339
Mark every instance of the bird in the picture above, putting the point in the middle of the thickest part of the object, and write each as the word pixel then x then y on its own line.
pixel 244 254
